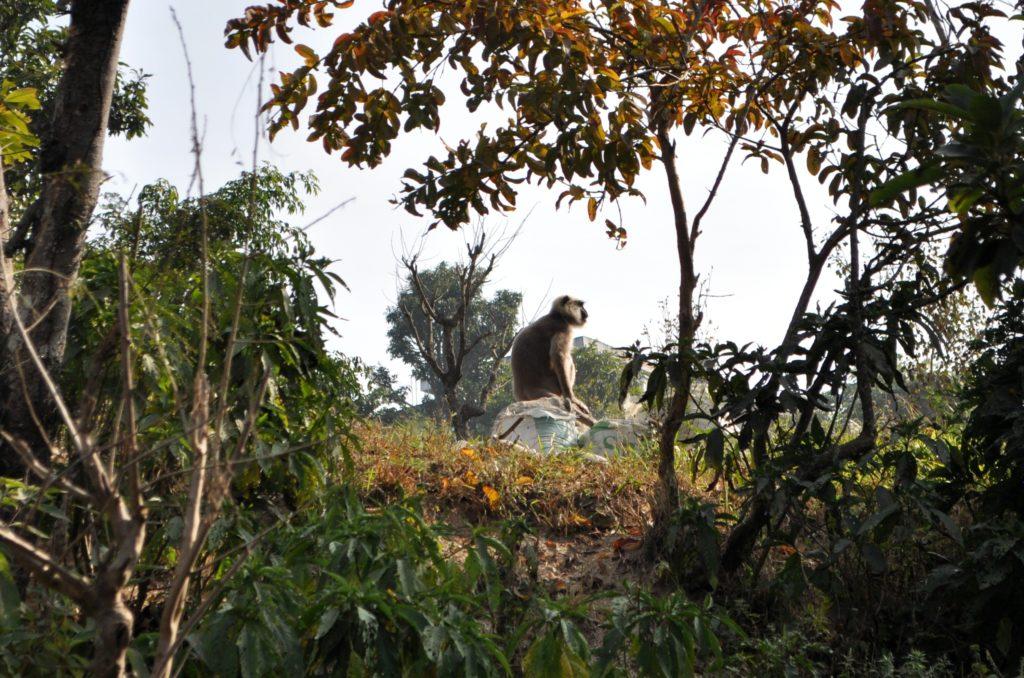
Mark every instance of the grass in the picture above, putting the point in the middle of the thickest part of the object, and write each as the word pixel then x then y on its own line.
pixel 559 494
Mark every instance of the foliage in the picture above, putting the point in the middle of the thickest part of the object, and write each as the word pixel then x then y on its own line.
pixel 993 439
pixel 32 37
pixel 16 139
pixel 378 396
pixel 260 262
pixel 597 373
pixel 979 169
pixel 672 632
pixel 980 472
pixel 343 590
pixel 281 411
pixel 31 49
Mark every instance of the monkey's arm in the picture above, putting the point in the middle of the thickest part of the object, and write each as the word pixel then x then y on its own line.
pixel 559 358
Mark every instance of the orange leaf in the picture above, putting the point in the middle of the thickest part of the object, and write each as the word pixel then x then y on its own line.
pixel 493 498
pixel 308 55
pixel 468 452
pixel 470 478
pixel 625 544
pixel 577 519
pixel 524 480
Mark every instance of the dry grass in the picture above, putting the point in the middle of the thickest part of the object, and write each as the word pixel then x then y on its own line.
pixel 587 517
pixel 562 494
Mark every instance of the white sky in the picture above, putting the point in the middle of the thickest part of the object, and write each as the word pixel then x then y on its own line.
pixel 751 250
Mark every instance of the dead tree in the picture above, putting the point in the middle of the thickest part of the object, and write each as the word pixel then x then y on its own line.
pixel 444 330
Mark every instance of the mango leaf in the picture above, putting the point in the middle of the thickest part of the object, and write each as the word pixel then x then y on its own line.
pixel 715 448
pixel 551 657
pixel 986 281
pixel 874 557
pixel 1004 636
pixel 951 527
pixel 891 189
pixel 938 106
pixel 9 597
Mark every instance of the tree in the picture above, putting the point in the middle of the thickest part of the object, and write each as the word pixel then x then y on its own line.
pixel 213 379
pixel 70 164
pixel 33 35
pixel 595 92
pixel 450 334
pixel 592 97
pixel 597 379
pixel 378 396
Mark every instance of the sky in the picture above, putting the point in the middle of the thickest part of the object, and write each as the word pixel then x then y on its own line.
pixel 750 256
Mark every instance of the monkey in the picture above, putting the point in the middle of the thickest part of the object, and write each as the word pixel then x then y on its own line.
pixel 542 363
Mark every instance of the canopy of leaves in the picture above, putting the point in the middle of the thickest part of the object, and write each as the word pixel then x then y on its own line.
pixel 981 171
pixel 378 396
pixel 265 274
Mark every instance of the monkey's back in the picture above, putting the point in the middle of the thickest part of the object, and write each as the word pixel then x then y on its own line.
pixel 532 374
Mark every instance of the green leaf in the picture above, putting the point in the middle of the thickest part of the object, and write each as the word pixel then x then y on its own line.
pixel 327 620
pixel 891 189
pixel 962 96
pixel 962 200
pixel 715 448
pixel 986 281
pixel 952 529
pixel 1004 636
pixel 874 557
pixel 938 106
pixel 24 97
pixel 252 650
pixel 9 597
pixel 550 657
pixel 214 647
pixel 876 518
pixel 356 666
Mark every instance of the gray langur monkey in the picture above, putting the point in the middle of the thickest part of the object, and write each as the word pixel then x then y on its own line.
pixel 542 363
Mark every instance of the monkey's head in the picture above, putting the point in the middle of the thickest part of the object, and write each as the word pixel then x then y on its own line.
pixel 571 309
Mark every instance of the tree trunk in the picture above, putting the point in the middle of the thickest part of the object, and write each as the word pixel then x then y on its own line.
pixel 113 635
pixel 460 423
pixel 743 537
pixel 70 162
pixel 666 495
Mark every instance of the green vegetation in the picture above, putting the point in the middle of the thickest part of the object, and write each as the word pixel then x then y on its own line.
pixel 193 484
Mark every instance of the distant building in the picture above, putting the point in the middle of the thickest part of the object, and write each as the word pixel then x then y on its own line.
pixel 586 342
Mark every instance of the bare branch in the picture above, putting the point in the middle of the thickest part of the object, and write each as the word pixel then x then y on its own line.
pixel 42 565
pixel 43 472
pixel 129 444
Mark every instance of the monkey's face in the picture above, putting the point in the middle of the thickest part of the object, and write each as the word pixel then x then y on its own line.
pixel 573 311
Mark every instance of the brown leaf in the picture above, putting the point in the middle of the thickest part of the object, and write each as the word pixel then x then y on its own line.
pixel 625 544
